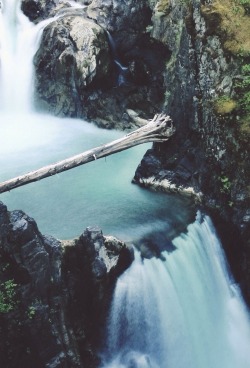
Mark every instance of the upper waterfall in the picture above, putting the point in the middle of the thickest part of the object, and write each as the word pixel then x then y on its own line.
pixel 19 40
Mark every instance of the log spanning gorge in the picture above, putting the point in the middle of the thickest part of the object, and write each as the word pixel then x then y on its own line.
pixel 179 309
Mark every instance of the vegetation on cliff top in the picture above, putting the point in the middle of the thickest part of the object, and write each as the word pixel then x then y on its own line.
pixel 230 20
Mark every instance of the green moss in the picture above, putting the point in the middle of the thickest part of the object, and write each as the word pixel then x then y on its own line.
pixel 224 105
pixel 242 89
pixel 225 184
pixel 162 6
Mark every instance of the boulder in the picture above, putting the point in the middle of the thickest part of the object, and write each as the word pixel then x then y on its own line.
pixel 73 56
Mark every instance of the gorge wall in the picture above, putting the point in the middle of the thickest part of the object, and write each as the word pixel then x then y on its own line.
pixel 189 59
pixel 206 93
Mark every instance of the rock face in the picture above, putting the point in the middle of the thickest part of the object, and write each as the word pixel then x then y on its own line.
pixel 54 294
pixel 123 19
pixel 205 98
pixel 37 10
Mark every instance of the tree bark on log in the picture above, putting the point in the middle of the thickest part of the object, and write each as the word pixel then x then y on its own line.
pixel 159 129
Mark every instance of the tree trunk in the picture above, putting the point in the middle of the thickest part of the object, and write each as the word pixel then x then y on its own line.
pixel 159 129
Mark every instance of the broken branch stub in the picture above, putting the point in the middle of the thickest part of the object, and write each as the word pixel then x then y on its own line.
pixel 159 129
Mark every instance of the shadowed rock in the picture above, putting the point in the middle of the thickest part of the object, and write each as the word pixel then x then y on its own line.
pixel 61 292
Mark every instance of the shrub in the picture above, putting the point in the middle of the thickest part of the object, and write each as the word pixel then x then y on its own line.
pixel 7 296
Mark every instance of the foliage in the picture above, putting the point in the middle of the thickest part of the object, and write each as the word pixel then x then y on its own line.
pixel 245 4
pixel 31 312
pixel 245 102
pixel 246 69
pixel 7 296
pixel 242 88
pixel 225 184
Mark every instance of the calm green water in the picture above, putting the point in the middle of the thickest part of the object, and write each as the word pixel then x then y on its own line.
pixel 98 193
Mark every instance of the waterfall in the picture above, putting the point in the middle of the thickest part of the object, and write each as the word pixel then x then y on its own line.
pixel 122 71
pixel 19 40
pixel 184 312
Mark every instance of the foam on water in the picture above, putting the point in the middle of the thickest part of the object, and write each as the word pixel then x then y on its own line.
pixel 184 312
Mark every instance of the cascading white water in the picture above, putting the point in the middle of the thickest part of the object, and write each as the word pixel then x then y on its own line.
pixel 184 312
pixel 19 39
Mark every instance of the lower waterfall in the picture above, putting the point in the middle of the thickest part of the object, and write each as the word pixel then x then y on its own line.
pixel 183 312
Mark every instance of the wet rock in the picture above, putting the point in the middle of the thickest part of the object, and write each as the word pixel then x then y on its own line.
pixel 37 10
pixel 73 55
pixel 109 255
pixel 69 79
pixel 154 244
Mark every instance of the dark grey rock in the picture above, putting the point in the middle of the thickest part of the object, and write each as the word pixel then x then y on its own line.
pixel 61 293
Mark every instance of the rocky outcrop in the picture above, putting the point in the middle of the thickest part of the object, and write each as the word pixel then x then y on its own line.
pixel 98 71
pixel 54 294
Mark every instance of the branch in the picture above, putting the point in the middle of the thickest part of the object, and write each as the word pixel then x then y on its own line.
pixel 159 129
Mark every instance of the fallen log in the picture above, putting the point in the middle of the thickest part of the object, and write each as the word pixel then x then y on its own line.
pixel 159 129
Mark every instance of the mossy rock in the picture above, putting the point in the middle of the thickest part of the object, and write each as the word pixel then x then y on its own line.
pixel 162 7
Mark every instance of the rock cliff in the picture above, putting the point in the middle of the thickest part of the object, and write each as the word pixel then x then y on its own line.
pixel 206 92
pixel 54 294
